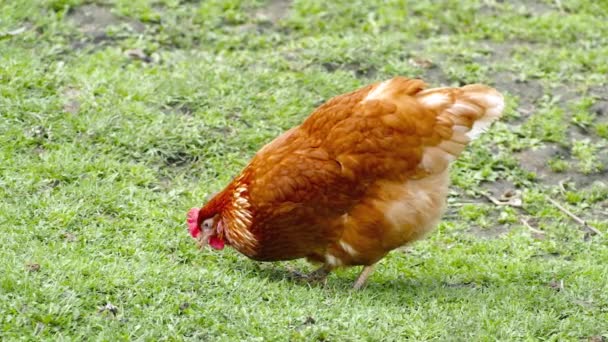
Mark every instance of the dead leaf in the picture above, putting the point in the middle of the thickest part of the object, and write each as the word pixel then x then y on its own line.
pixel 69 237
pixel 138 54
pixel 32 267
pixel 421 62
pixel 557 285
pixel 9 34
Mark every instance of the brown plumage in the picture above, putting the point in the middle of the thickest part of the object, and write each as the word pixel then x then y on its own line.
pixel 365 173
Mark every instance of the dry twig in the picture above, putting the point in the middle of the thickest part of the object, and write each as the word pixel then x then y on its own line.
pixel 562 184
pixel 534 230
pixel 513 201
pixel 575 218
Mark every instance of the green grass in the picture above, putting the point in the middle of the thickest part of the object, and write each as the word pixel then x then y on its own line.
pixel 102 154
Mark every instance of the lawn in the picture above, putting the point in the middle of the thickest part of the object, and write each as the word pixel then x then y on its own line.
pixel 117 116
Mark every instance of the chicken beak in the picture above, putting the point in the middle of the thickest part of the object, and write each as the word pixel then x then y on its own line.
pixel 202 239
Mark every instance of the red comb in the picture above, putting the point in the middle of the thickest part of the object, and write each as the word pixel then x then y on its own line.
pixel 193 222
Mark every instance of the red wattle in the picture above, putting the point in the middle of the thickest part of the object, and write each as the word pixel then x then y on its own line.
pixel 216 242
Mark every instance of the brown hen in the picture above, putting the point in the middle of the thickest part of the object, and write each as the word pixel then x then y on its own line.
pixel 365 173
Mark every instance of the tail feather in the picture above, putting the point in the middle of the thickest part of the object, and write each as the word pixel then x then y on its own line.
pixel 471 109
pixel 462 115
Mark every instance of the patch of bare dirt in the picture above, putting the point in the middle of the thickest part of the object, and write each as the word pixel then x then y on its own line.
pixel 274 11
pixel 534 8
pixel 436 77
pixel 495 232
pixel 600 108
pixel 360 70
pixel 94 20
pixel 600 93
pixel 564 93
pixel 537 161
pixel 498 188
pixel 528 7
pixel 71 104
pixel 266 18
pixel 528 91
pixel 497 229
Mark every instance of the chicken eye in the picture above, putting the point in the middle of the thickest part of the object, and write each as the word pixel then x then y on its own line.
pixel 207 224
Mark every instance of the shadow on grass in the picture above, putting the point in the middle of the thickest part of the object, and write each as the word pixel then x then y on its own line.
pixel 342 282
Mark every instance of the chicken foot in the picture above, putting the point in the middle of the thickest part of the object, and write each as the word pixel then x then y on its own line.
pixel 317 276
pixel 365 273
pixel 320 275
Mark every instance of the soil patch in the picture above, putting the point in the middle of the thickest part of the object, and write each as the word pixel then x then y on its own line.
pixel 94 20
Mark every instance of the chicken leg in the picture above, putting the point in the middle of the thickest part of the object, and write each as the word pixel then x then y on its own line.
pixel 360 282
